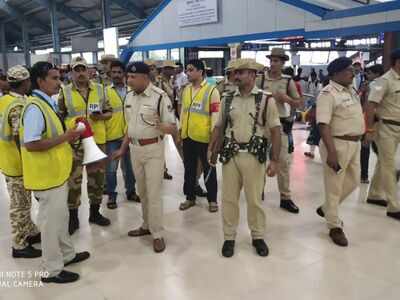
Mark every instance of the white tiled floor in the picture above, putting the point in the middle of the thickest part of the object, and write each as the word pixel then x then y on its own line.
pixel 303 263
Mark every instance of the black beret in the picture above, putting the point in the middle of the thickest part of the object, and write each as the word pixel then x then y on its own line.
pixel 395 54
pixel 339 64
pixel 138 67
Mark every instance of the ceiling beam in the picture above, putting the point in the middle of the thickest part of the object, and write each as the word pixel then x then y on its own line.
pixel 67 12
pixel 16 14
pixel 131 7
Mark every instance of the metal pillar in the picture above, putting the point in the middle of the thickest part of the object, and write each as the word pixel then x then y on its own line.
pixel 106 13
pixel 3 46
pixel 55 32
pixel 26 44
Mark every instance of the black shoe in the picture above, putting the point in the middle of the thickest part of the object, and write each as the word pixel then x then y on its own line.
pixel 34 239
pixel 112 203
pixel 320 212
pixel 228 249
pixel 27 252
pixel 394 215
pixel 81 256
pixel 289 205
pixel 167 176
pixel 133 197
pixel 379 202
pixel 199 192
pixel 73 221
pixel 63 277
pixel 261 247
pixel 96 217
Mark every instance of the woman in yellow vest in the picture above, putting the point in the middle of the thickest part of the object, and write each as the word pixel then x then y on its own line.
pixel 83 98
pixel 115 131
pixel 25 233
pixel 46 163
pixel 200 107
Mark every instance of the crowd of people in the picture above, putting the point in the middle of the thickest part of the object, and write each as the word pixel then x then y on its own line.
pixel 244 121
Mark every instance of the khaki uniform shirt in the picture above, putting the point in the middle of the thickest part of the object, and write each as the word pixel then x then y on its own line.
pixel 340 108
pixel 166 86
pixel 243 122
pixel 281 85
pixel 386 92
pixel 141 111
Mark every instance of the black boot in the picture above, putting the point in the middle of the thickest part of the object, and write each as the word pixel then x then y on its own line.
pixel 95 216
pixel 73 221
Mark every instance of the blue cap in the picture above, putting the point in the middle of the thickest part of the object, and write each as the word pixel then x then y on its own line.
pixel 339 64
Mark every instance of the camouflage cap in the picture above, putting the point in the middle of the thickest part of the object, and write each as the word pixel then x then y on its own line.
pixel 231 65
pixel 17 73
pixel 247 64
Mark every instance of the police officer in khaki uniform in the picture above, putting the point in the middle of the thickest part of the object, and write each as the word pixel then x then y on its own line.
pixel 25 233
pixel 228 83
pixel 149 115
pixel 284 91
pixel 341 123
pixel 247 116
pixel 384 100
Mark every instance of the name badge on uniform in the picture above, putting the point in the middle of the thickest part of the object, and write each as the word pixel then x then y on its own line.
pixel 94 107
pixel 197 106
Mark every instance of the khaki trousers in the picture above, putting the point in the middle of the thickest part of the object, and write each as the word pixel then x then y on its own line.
pixel 284 168
pixel 148 166
pixel 53 217
pixel 243 170
pixel 339 186
pixel 388 138
pixel 376 188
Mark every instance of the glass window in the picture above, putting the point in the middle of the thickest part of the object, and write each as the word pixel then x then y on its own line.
pixel 158 54
pixel 211 54
pixel 137 56
pixel 175 54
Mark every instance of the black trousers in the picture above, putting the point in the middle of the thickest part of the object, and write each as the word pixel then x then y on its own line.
pixel 192 152
pixel 364 160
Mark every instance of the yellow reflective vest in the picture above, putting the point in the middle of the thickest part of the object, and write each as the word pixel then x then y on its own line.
pixel 115 127
pixel 78 107
pixel 196 115
pixel 10 156
pixel 45 170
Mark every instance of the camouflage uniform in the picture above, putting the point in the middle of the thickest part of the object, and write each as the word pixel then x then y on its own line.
pixel 20 199
pixel 95 180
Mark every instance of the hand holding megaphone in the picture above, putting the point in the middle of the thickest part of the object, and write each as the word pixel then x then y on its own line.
pixel 91 152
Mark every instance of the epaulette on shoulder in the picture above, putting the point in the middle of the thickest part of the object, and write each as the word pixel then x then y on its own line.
pixel 158 90
pixel 327 89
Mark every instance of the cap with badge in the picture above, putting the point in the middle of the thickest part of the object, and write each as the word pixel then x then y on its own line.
pixel 278 52
pixel 138 68
pixel 247 64
pixel 338 65
pixel 17 73
pixel 78 61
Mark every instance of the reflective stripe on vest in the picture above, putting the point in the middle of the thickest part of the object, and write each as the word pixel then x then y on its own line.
pixel 44 170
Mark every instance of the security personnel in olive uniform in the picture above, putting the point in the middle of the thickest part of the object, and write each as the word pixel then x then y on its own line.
pixel 149 115
pixel 341 123
pixel 384 100
pixel 248 115
pixel 83 98
pixel 25 233
pixel 285 93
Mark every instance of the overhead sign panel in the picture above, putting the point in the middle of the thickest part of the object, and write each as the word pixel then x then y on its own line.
pixel 196 12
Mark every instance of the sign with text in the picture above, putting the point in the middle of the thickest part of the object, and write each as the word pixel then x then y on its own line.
pixel 196 12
